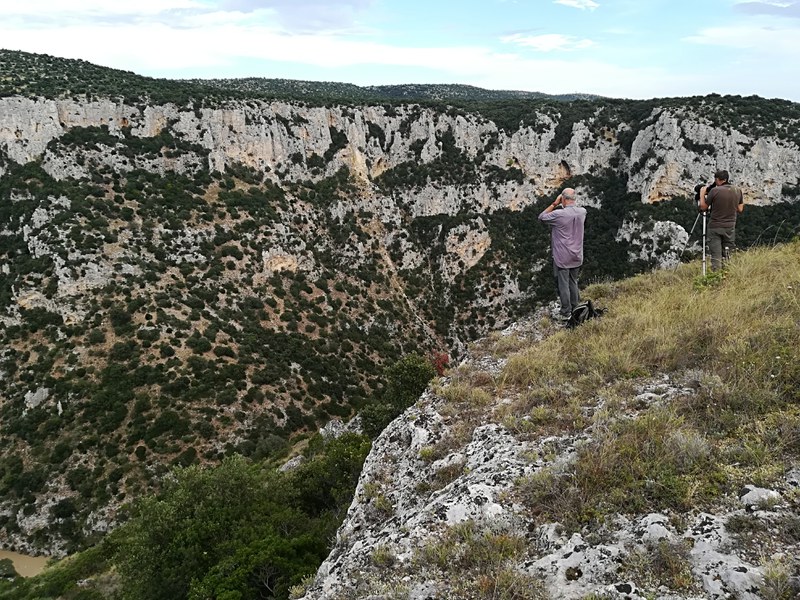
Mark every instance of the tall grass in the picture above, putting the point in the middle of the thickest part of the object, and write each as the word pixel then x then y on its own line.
pixel 734 336
pixel 744 328
pixel 479 563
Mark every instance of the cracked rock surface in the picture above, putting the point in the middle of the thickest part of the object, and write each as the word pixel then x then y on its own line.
pixel 428 475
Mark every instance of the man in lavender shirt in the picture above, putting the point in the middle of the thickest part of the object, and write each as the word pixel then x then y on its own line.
pixel 566 225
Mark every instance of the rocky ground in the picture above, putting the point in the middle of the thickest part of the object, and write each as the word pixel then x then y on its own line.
pixel 435 515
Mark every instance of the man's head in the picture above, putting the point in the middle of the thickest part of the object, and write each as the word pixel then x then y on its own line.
pixel 568 196
pixel 721 176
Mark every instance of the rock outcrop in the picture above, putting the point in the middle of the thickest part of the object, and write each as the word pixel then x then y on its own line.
pixel 438 486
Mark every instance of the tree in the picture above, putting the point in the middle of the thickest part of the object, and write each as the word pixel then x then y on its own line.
pixel 182 534
pixel 237 531
pixel 406 380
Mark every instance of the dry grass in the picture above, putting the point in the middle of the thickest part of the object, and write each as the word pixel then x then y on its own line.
pixel 735 335
pixel 777 584
pixel 469 375
pixel 634 466
pixel 662 564
pixel 479 563
pixel 463 392
pixel 501 345
pixel 663 321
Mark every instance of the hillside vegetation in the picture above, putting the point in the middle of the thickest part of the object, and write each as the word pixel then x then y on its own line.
pixel 51 76
pixel 190 273
pixel 731 336
pixel 343 92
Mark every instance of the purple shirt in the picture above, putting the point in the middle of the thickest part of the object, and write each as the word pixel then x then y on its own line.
pixel 566 225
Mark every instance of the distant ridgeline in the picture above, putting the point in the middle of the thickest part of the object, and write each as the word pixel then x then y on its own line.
pixel 347 92
pixel 50 76
pixel 195 269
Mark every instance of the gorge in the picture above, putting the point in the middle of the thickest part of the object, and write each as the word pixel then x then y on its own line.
pixel 188 274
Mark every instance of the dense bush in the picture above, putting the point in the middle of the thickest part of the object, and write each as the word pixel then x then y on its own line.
pixel 406 380
pixel 238 530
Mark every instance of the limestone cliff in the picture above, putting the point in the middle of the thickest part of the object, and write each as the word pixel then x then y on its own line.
pixel 672 150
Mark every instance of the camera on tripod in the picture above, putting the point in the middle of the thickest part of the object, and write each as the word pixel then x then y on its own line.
pixel 699 187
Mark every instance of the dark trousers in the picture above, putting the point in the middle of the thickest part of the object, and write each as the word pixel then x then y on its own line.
pixel 720 243
pixel 567 284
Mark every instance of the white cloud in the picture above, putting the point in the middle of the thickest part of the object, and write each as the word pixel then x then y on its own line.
pixel 157 48
pixel 547 42
pixel 779 9
pixel 582 4
pixel 780 42
pixel 32 9
pixel 292 15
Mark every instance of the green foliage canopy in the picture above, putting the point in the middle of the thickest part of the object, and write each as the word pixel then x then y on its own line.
pixel 237 530
pixel 406 380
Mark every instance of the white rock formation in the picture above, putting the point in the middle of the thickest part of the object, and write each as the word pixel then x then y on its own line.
pixel 424 479
pixel 268 135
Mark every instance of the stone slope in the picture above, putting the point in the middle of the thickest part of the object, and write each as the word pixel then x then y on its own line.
pixel 439 481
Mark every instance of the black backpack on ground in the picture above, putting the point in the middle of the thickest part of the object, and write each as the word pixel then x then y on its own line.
pixel 583 312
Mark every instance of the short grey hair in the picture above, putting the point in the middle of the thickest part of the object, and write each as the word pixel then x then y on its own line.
pixel 568 194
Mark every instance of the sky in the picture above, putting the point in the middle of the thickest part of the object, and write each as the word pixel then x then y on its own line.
pixel 615 48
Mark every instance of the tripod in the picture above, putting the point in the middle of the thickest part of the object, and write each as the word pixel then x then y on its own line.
pixel 704 215
pixel 705 222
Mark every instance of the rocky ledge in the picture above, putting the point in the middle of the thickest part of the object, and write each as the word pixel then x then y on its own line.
pixel 435 514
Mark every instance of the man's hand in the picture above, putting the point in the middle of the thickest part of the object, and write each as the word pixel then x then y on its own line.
pixel 551 207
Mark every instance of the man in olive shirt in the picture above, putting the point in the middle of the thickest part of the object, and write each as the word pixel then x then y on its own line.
pixel 566 227
pixel 725 202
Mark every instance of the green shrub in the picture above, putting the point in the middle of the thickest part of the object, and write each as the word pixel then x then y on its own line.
pixel 407 379
pixel 96 336
pixel 238 530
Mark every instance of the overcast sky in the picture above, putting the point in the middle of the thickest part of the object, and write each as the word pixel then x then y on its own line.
pixel 618 48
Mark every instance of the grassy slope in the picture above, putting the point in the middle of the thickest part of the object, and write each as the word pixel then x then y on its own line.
pixel 731 337
pixel 720 356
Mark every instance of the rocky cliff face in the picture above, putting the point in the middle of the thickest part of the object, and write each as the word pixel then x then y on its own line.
pixel 670 153
pixel 677 149
pixel 438 513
